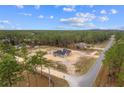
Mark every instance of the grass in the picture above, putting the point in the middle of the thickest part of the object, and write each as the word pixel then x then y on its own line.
pixel 84 65
pixel 61 67
pixel 58 66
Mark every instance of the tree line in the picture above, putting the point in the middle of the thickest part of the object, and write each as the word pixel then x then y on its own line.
pixel 114 60
pixel 53 38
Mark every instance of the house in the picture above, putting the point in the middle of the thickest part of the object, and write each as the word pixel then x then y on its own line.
pixel 62 53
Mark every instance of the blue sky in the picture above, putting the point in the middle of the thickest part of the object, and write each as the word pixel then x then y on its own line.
pixel 61 17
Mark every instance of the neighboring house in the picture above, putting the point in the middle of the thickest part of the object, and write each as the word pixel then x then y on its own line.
pixel 82 45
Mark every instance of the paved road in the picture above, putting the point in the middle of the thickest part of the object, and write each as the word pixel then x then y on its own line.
pixel 88 79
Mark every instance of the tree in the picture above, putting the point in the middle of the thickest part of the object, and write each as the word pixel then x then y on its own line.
pixel 114 59
pixel 32 64
pixel 7 48
pixel 49 76
pixel 11 71
pixel 39 60
pixel 54 38
pixel 42 60
pixel 24 52
pixel 24 55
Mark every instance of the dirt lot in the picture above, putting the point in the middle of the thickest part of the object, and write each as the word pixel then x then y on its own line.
pixel 67 61
pixel 77 63
pixel 73 57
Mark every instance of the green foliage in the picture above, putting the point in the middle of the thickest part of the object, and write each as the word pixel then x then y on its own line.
pixel 36 60
pixel 10 71
pixel 114 59
pixel 53 38
pixel 24 51
pixel 7 48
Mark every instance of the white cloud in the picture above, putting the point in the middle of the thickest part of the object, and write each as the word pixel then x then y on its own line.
pixel 40 16
pixel 69 9
pixel 4 22
pixel 103 18
pixel 113 11
pixel 37 7
pixel 51 17
pixel 80 20
pixel 26 14
pixel 86 16
pixel 20 6
pixel 103 11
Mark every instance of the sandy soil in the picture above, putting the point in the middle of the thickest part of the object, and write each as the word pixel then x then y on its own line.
pixel 72 58
pixel 68 61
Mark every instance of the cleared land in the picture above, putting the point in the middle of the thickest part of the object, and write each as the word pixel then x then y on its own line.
pixel 67 64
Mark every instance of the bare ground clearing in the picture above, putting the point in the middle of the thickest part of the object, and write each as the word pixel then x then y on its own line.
pixel 68 61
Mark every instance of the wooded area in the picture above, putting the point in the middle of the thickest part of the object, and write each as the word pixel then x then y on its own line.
pixel 112 73
pixel 53 38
